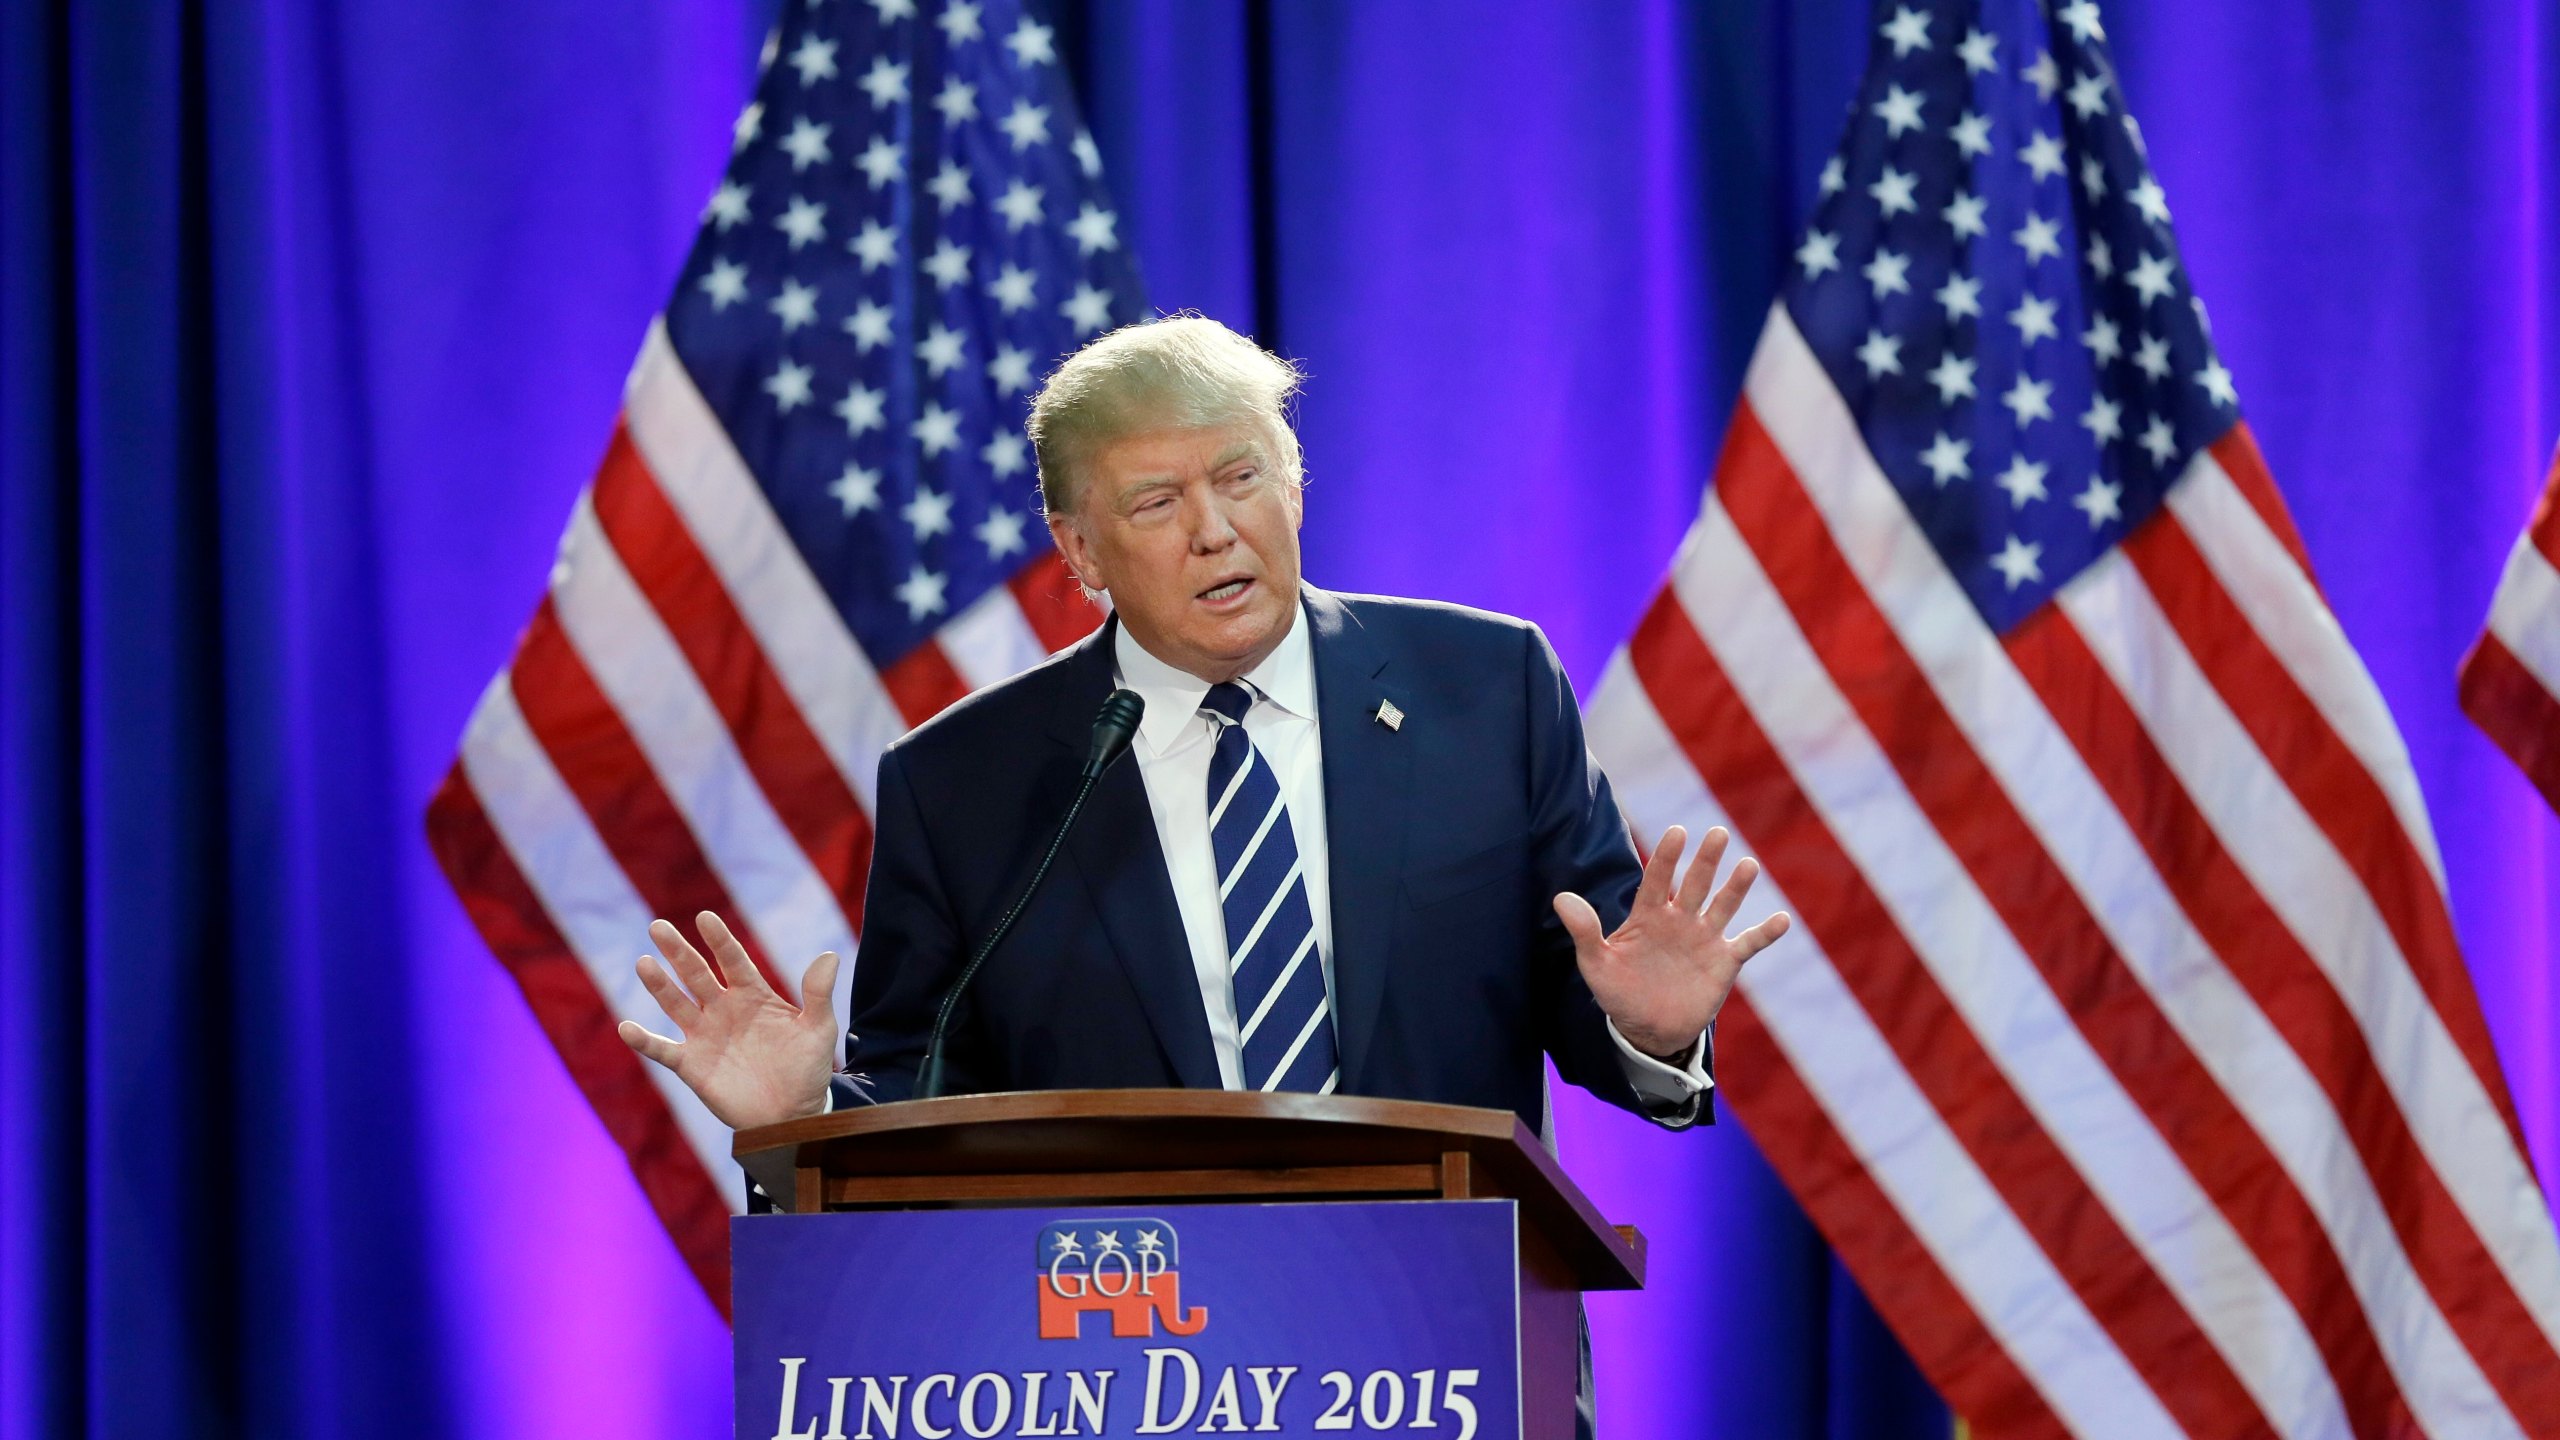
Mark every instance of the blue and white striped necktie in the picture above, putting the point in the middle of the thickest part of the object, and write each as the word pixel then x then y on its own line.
pixel 1271 932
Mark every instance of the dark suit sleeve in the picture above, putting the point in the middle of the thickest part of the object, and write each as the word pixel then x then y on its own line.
pixel 910 953
pixel 1579 842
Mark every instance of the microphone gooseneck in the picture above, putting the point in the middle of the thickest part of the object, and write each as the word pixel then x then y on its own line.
pixel 1113 729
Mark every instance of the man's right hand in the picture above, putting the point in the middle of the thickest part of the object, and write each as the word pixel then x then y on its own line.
pixel 753 1057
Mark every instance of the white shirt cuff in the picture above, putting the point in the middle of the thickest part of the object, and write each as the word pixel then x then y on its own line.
pixel 1662 1086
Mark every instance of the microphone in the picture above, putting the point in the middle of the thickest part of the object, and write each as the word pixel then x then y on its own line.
pixel 1113 729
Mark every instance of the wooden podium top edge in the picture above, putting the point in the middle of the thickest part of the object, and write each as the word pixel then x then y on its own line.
pixel 1070 1130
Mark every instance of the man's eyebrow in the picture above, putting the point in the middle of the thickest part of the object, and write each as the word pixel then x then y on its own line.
pixel 1241 450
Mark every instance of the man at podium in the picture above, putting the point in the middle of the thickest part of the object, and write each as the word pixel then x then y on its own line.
pixel 1361 849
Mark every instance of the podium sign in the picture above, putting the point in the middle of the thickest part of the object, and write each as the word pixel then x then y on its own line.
pixel 1269 1319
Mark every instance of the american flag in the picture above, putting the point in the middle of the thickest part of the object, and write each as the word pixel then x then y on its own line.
pixel 815 526
pixel 2511 678
pixel 2126 1054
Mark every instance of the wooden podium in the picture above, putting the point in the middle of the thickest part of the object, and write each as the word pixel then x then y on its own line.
pixel 1111 1147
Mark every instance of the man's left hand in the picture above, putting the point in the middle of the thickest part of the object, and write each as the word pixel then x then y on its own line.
pixel 1663 975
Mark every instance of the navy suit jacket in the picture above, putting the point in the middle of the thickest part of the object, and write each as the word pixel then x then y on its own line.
pixel 1452 977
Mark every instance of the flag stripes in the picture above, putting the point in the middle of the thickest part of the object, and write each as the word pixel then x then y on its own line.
pixel 650 751
pixel 2131 899
pixel 2511 679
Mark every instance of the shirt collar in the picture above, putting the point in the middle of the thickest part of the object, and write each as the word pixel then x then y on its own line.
pixel 1286 677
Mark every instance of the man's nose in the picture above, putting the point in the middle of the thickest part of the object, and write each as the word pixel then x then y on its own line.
pixel 1211 530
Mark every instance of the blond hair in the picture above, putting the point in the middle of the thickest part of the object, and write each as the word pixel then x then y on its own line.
pixel 1184 369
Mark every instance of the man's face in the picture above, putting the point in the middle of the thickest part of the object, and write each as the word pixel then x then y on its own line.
pixel 1193 530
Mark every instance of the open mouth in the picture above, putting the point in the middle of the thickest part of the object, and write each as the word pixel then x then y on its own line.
pixel 1221 594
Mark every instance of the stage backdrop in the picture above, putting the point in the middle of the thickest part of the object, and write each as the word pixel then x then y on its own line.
pixel 312 322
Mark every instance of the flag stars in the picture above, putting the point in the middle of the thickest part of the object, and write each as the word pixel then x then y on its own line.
pixel 1088 310
pixel 1094 229
pixel 1818 254
pixel 2040 238
pixel 1907 31
pixel 2104 340
pixel 1006 454
pixel 2151 200
pixel 2160 442
pixel 862 409
pixel 728 207
pixel 750 124
pixel 805 222
pixel 875 244
pixel 725 282
pixel 959 21
pixel 2102 260
pixel 921 593
pixel 940 351
pixel 1964 216
pixel 1835 176
pixel 2151 278
pixel 1026 125
pixel 1889 273
pixel 857 490
pixel 868 325
pixel 2217 383
pixel 948 264
pixel 1899 110
pixel 1953 375
pixel 935 431
pixel 796 306
pixel 2023 481
pixel 1001 533
pixel 2151 357
pixel 885 82
pixel 1980 52
pixel 1945 459
pixel 957 100
pixel 789 386
pixel 2101 501
pixel 882 161
pixel 1961 296
pixel 1881 354
pixel 949 186
pixel 1013 289
pixel 1010 371
pixel 2104 420
pixel 1895 191
pixel 2017 562
pixel 2042 75
pixel 2093 177
pixel 892 11
pixel 2082 17
pixel 1019 205
pixel 1972 133
pixel 2043 156
pixel 1030 44
pixel 1088 155
pixel 928 514
pixel 2030 400
pixel 815 59
pixel 807 144
pixel 2088 96
pixel 2034 319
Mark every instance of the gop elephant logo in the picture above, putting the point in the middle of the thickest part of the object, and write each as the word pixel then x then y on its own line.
pixel 1127 1269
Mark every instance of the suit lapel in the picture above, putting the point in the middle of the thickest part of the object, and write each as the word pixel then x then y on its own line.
pixel 1115 851
pixel 1367 774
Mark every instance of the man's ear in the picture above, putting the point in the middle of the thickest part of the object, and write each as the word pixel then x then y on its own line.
pixel 1077 551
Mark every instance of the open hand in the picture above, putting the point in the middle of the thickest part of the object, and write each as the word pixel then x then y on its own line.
pixel 753 1057
pixel 1665 973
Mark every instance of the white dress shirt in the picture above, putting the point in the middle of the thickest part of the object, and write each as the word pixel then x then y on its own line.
pixel 1173 747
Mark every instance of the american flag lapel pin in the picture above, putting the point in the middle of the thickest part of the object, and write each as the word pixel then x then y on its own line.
pixel 1389 715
